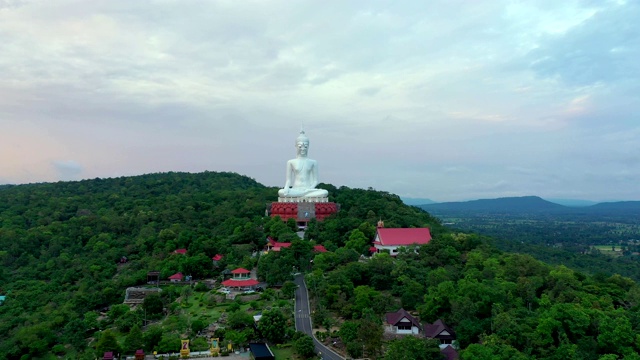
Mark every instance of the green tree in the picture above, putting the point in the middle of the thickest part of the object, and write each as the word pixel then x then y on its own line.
pixel 134 340
pixel 108 342
pixel 198 266
pixel 153 305
pixel 186 293
pixel 273 325
pixel 198 325
pixel 238 338
pixel 152 337
pixel 74 334
pixel 91 320
pixel 169 343
pixel 304 346
pixel 370 335
pixel 357 241
pixel 413 348
pixel 116 311
pixel 348 331
pixel 239 319
pixel 288 289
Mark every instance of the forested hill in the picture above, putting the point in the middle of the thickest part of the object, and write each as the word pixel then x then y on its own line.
pixel 61 244
pixel 630 207
pixel 530 204
pixel 63 271
pixel 507 204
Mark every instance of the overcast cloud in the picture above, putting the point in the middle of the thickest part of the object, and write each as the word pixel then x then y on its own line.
pixel 447 100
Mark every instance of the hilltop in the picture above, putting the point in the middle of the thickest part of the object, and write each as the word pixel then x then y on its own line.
pixel 62 244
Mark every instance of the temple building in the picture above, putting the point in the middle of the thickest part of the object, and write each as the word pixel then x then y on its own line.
pixel 241 278
pixel 391 239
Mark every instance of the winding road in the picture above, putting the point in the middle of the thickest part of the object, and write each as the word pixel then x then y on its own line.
pixel 303 319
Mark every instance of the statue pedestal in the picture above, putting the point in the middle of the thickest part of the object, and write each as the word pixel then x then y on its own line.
pixel 302 211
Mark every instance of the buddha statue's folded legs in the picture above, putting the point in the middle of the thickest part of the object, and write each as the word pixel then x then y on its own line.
pixel 298 192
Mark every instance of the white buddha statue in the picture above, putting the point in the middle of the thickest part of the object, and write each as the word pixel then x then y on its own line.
pixel 302 175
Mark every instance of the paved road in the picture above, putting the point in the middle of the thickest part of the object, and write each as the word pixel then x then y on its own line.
pixel 303 319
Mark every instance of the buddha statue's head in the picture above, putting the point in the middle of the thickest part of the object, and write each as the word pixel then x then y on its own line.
pixel 302 144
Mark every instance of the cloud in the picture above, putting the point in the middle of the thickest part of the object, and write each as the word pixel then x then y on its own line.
pixel 394 97
pixel 602 49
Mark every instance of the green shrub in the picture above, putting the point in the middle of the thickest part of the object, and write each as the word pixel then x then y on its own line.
pixel 233 307
pixel 59 349
pixel 200 287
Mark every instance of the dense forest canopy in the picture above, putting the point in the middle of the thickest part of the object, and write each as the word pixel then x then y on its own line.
pixel 61 243
pixel 62 247
pixel 573 236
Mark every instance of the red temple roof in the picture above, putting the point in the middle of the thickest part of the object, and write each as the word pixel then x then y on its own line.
pixel 319 248
pixel 240 283
pixel 180 251
pixel 241 271
pixel 218 257
pixel 274 244
pixel 402 236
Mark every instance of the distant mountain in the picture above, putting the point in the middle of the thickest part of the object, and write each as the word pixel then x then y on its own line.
pixel 572 202
pixel 500 205
pixel 618 206
pixel 416 201
pixel 533 204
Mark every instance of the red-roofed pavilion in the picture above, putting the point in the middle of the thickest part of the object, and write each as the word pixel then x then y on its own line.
pixel 240 283
pixel 241 279
pixel 392 238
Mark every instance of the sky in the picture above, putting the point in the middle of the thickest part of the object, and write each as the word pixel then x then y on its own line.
pixel 445 99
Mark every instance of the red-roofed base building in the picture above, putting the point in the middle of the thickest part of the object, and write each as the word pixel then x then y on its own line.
pixel 302 212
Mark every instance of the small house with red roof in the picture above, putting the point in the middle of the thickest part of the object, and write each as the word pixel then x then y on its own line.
pixel 441 331
pixel 241 278
pixel 216 259
pixel 273 245
pixel 177 277
pixel 180 251
pixel 319 249
pixel 401 322
pixel 108 355
pixel 391 239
